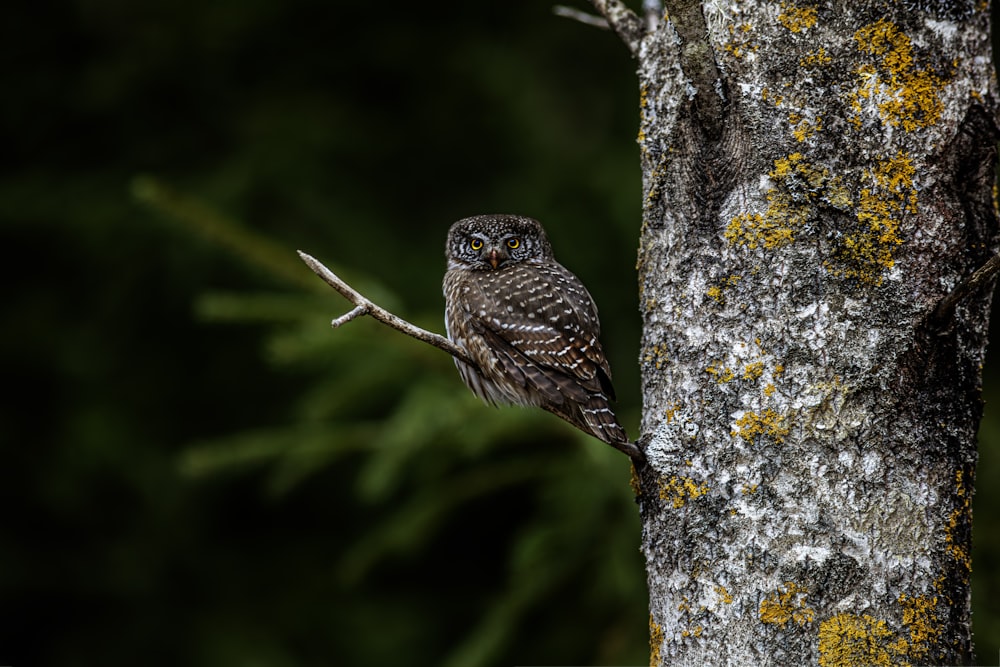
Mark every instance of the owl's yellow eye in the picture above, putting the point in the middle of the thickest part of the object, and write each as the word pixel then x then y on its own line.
pixel 476 244
pixel 513 243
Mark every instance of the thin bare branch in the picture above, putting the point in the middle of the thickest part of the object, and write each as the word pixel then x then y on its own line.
pixel 344 319
pixel 365 307
pixel 582 17
pixel 652 11
pixel 965 289
pixel 623 21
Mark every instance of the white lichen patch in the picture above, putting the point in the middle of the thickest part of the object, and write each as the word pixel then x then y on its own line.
pixel 801 553
pixel 946 30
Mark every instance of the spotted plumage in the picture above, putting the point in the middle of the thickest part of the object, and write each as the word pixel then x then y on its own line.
pixel 528 323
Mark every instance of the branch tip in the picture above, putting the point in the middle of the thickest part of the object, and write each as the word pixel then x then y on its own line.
pixel 652 11
pixel 583 17
pixel 358 311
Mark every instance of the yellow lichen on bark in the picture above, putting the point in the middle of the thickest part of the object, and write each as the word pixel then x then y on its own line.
pixel 895 176
pixel 786 605
pixel 906 97
pixel 922 622
pixel 866 253
pixel 655 642
pixel 961 516
pixel 717 291
pixel 817 58
pixel 721 373
pixel 797 19
pixel 657 354
pixel 804 128
pixel 797 182
pixel 769 424
pixel 741 40
pixel 753 230
pixel 869 251
pixel 753 370
pixel 846 640
pixel 678 490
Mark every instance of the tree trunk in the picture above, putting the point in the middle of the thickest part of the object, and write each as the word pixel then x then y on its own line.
pixel 817 179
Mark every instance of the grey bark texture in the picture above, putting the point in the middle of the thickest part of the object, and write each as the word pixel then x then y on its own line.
pixel 818 178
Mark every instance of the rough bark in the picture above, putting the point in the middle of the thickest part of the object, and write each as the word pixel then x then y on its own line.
pixel 817 178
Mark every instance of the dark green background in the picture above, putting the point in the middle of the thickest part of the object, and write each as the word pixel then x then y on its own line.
pixel 196 470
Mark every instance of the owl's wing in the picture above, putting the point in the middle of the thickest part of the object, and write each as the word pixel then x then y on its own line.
pixel 547 338
pixel 585 312
pixel 527 370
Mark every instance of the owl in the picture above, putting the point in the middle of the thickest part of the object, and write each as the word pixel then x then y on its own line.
pixel 528 323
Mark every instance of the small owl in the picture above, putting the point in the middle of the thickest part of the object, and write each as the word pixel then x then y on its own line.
pixel 529 324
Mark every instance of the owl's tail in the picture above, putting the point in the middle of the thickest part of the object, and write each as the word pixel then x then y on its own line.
pixel 596 417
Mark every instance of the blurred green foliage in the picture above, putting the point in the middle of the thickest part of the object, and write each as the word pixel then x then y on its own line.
pixel 197 470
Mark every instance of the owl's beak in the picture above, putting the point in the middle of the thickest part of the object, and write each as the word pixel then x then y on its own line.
pixel 494 258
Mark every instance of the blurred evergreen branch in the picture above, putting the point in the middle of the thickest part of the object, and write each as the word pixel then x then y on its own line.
pixel 252 248
pixel 227 233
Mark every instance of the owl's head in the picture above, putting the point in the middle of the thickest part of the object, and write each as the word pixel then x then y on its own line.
pixel 491 242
